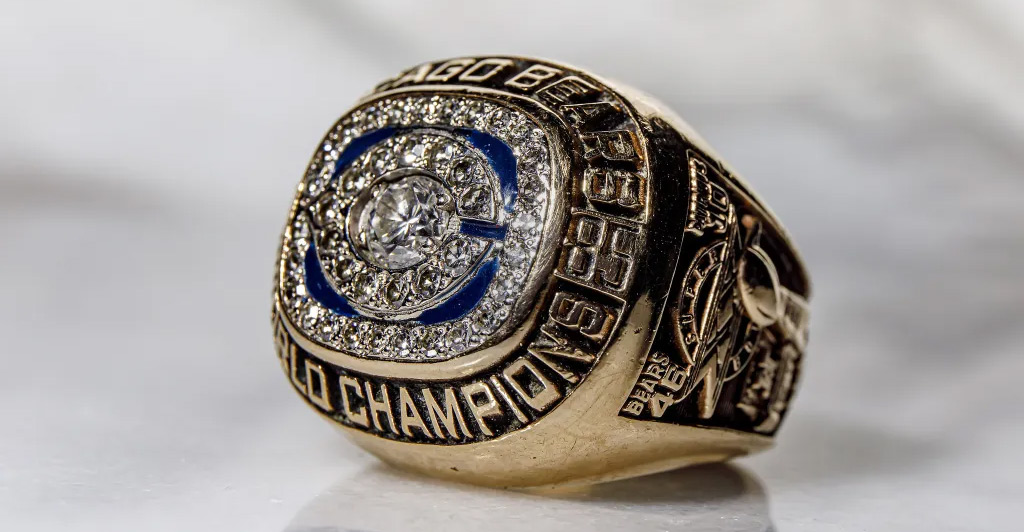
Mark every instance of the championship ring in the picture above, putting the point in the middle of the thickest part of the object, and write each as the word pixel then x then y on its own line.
pixel 510 272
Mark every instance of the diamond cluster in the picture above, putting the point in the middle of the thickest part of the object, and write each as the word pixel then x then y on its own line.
pixel 386 230
pixel 405 223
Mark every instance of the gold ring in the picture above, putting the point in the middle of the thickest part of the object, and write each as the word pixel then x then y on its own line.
pixel 510 272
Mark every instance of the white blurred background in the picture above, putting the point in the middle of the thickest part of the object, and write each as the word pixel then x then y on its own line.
pixel 149 150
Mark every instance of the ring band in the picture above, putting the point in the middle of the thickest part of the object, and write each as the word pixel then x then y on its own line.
pixel 507 271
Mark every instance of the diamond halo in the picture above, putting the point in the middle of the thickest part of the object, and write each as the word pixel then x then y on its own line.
pixel 386 227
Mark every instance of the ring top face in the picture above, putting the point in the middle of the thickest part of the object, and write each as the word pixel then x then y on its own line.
pixel 416 228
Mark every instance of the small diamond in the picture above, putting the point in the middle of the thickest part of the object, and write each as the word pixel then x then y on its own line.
pixel 399 340
pixel 327 331
pixel 499 120
pixel 425 338
pixel 296 254
pixel 534 190
pixel 366 285
pixel 395 114
pixel 530 157
pixel 515 254
pixel 443 154
pixel 519 132
pixel 296 301
pixel 354 180
pixel 345 268
pixel 343 135
pixel 396 291
pixel 300 228
pixel 411 108
pixel 457 336
pixel 467 112
pixel 381 161
pixel 315 183
pixel 466 171
pixel 476 201
pixel 505 285
pixel 365 333
pixel 310 317
pixel 327 209
pixel 428 281
pixel 526 222
pixel 431 110
pixel 348 334
pixel 458 256
pixel 478 112
pixel 415 154
pixel 490 316
pixel 378 339
pixel 331 240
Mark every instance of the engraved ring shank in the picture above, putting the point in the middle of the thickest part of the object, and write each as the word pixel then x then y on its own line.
pixel 507 271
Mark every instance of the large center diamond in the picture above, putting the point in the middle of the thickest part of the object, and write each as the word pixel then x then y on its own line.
pixel 404 220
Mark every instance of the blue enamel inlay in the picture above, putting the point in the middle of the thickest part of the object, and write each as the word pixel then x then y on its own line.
pixel 358 146
pixel 502 159
pixel 454 308
pixel 486 230
pixel 465 300
pixel 320 289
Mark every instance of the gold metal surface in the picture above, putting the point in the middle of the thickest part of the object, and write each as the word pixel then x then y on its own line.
pixel 662 322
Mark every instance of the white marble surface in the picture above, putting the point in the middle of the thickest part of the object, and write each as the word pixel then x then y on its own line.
pixel 147 155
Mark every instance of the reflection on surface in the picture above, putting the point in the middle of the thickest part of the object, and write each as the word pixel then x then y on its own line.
pixel 699 499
